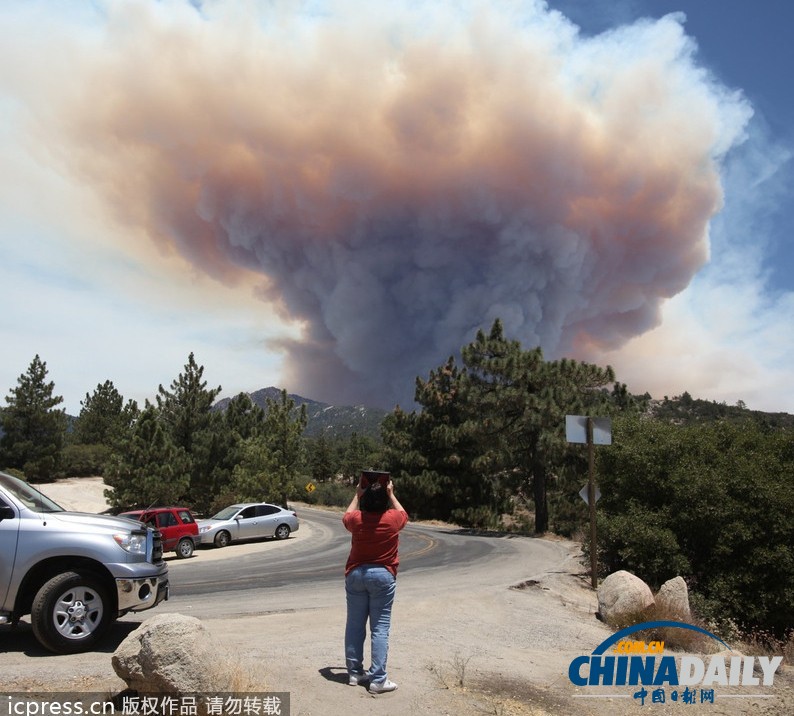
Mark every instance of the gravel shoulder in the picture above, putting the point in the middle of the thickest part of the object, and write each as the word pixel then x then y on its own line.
pixel 497 641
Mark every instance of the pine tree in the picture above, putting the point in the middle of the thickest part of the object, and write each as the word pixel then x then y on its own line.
pixel 284 441
pixel 432 454
pixel 150 469
pixel 244 418
pixel 524 401
pixel 219 447
pixel 187 415
pixel 490 431
pixel 255 477
pixel 357 453
pixel 33 428
pixel 104 418
pixel 185 408
pixel 322 459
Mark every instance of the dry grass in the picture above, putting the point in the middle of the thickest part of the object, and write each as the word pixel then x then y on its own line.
pixel 759 643
pixel 756 643
pixel 245 679
pixel 493 695
pixel 451 673
pixel 674 638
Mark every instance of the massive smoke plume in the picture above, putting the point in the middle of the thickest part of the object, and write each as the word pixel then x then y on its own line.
pixel 402 175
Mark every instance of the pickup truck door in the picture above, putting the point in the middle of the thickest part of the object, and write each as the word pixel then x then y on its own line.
pixel 9 533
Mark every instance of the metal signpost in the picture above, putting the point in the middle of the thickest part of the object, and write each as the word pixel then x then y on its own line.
pixel 592 431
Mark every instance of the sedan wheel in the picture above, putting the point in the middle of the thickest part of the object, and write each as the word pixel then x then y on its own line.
pixel 222 539
pixel 282 532
pixel 185 548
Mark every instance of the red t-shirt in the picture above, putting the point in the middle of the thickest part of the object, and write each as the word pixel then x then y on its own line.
pixel 375 538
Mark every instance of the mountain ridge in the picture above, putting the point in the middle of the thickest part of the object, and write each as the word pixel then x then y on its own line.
pixel 336 421
pixel 333 421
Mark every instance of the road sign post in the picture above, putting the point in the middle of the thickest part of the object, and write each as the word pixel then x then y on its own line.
pixel 591 499
pixel 592 431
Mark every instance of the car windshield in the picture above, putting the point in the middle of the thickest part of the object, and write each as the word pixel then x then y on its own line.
pixel 226 513
pixel 28 495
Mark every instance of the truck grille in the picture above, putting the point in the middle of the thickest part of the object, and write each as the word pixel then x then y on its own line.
pixel 157 547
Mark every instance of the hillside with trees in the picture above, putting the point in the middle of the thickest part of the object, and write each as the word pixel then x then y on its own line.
pixel 322 419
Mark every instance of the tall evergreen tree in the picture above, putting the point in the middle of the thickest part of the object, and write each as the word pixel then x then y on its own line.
pixel 255 477
pixel 525 400
pixel 244 418
pixel 219 447
pixel 104 418
pixel 433 456
pixel 186 412
pixel 322 459
pixel 284 439
pixel 149 469
pixel 185 408
pixel 357 453
pixel 490 430
pixel 33 427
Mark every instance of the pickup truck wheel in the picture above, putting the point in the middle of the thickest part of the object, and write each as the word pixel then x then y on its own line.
pixel 222 539
pixel 282 532
pixel 70 613
pixel 184 548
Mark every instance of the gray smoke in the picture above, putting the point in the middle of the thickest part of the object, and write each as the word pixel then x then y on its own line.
pixel 402 178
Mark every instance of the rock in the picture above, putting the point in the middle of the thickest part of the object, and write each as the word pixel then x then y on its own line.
pixel 174 654
pixel 623 598
pixel 673 599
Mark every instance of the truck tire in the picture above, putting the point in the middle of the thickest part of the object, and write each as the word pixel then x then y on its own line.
pixel 71 612
pixel 184 548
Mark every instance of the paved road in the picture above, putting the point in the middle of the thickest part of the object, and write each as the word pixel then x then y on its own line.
pixel 314 558
pixel 279 607
pixel 264 576
pixel 301 577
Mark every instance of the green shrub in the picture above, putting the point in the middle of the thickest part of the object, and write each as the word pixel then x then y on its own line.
pixel 640 542
pixel 710 501
pixel 330 494
pixel 84 460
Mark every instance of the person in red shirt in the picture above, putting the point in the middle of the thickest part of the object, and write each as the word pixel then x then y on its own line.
pixel 374 518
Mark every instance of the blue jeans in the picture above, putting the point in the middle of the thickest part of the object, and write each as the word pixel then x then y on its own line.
pixel 370 594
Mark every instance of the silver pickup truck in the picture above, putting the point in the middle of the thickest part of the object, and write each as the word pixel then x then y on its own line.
pixel 74 573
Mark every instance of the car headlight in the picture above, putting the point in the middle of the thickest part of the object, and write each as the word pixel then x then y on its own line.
pixel 204 529
pixel 132 542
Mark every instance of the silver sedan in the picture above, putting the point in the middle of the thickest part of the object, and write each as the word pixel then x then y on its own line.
pixel 247 521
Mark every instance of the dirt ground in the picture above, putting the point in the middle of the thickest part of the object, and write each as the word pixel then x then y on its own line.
pixel 501 645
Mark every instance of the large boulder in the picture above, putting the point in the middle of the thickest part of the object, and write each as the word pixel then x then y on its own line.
pixel 623 598
pixel 673 599
pixel 173 653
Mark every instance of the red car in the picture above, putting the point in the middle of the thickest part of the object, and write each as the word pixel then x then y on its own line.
pixel 176 524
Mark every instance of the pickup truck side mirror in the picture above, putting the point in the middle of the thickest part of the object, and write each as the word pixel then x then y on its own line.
pixel 7 512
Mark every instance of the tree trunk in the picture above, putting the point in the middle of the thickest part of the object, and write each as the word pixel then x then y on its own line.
pixel 539 495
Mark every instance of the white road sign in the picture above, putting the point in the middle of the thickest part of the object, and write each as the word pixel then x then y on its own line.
pixel 583 494
pixel 576 430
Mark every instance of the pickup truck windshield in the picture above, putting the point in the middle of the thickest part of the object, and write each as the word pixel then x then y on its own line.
pixel 28 495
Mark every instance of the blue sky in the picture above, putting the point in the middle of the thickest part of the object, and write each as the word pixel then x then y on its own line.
pixel 154 203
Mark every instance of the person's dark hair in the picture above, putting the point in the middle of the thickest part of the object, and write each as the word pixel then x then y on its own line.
pixel 374 499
